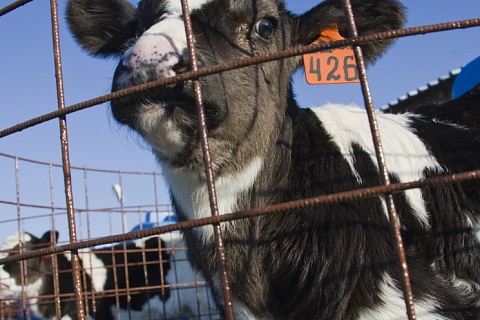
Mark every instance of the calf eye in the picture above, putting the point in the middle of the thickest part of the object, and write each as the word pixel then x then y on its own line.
pixel 265 28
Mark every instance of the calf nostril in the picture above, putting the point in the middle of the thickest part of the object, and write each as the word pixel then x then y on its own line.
pixel 128 60
pixel 182 66
pixel 126 65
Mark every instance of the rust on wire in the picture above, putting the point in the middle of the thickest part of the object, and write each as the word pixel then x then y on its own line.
pixel 87 212
pixel 23 269
pixel 13 6
pixel 242 63
pixel 81 168
pixel 125 251
pixel 56 285
pixel 75 260
pixel 202 127
pixel 377 142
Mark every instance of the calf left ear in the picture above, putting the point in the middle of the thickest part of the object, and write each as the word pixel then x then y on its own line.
pixel 370 16
pixel 47 238
pixel 102 27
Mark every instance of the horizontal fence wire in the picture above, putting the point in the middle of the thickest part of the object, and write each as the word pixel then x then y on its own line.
pixel 13 6
pixel 239 64
pixel 271 209
pixel 156 173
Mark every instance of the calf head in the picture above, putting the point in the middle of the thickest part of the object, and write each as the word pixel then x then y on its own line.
pixel 33 269
pixel 246 108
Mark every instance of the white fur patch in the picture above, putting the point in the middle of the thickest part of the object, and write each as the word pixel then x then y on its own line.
pixel 8 285
pixel 159 130
pixel 175 6
pixel 467 286
pixel 394 307
pixel 93 266
pixel 153 309
pixel 474 223
pixel 240 311
pixel 11 241
pixel 191 193
pixel 405 154
pixel 187 298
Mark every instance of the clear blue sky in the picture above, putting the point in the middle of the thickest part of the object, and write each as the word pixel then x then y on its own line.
pixel 27 87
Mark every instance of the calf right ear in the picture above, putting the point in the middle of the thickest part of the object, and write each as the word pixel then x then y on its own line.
pixel 101 27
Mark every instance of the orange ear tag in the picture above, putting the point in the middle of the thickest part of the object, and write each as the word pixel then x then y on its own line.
pixel 334 66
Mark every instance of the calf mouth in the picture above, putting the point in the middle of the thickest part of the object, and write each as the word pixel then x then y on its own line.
pixel 172 99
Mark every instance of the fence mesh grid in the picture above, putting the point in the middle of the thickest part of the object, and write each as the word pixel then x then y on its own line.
pixel 81 220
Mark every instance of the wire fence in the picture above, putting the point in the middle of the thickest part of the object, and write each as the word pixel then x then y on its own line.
pixel 80 222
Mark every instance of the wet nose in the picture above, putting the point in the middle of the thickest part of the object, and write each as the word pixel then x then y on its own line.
pixel 154 57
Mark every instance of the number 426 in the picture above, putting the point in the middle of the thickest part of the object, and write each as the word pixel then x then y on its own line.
pixel 334 69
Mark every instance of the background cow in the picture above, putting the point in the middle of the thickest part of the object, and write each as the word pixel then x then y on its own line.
pixel 104 269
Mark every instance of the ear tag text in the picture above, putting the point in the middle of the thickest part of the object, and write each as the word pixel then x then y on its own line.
pixel 334 66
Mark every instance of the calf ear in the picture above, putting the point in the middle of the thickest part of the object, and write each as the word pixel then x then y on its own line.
pixel 370 16
pixel 102 27
pixel 47 238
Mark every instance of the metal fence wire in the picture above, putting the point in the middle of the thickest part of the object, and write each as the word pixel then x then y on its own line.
pixel 69 213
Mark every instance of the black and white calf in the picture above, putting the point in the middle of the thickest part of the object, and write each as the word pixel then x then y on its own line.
pixel 104 269
pixel 324 262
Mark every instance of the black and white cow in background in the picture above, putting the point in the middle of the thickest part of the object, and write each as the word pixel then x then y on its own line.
pixel 325 262
pixel 98 271
pixel 98 267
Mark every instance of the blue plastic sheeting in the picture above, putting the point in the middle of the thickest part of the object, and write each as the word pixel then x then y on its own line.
pixel 467 79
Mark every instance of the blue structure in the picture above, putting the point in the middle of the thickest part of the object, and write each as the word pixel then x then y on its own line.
pixel 467 79
pixel 168 219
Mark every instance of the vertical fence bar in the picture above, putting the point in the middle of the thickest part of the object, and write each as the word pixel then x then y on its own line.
pixel 87 202
pixel 392 211
pixel 114 259
pixel 90 253
pixel 172 246
pixel 23 267
pixel 202 126
pixel 56 285
pixel 76 272
pixel 115 281
pixel 121 198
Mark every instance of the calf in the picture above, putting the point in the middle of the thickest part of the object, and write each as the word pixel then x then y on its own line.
pixel 323 262
pixel 103 269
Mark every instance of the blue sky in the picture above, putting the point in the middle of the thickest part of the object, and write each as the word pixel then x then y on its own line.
pixel 27 87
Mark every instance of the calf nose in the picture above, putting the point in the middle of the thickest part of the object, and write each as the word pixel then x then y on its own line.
pixel 154 56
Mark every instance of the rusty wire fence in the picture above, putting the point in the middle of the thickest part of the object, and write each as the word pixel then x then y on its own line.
pixel 91 219
pixel 78 220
